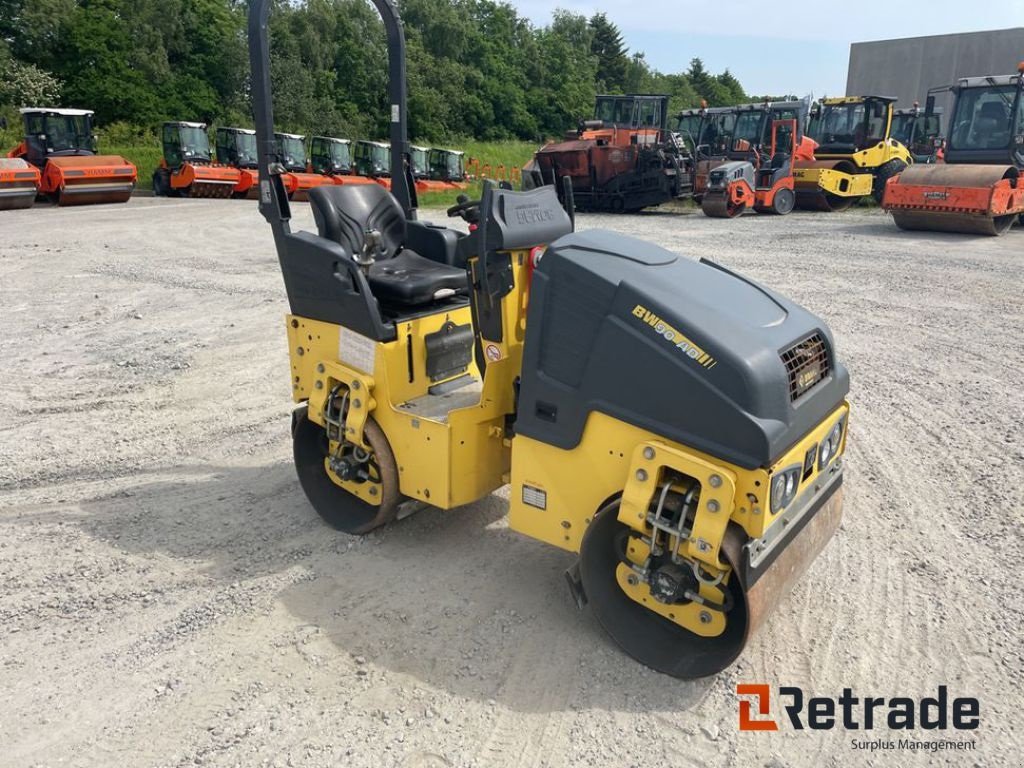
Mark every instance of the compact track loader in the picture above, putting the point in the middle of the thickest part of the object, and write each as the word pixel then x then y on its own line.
pixel 764 184
pixel 978 188
pixel 187 168
pixel 677 425
pixel 855 154
pixel 61 145
pixel 292 156
pixel 236 147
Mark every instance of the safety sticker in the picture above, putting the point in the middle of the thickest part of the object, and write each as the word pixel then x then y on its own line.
pixel 356 351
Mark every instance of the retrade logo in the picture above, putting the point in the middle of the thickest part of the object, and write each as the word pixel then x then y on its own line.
pixel 762 698
pixel 854 713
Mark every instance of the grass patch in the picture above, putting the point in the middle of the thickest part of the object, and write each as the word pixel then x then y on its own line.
pixel 146 158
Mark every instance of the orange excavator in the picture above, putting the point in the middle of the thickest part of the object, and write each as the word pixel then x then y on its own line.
pixel 61 146
pixel 187 168
pixel 764 184
pixel 978 189
pixel 236 147
pixel 298 181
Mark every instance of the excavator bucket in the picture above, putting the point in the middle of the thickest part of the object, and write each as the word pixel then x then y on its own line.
pixel 971 199
pixel 82 180
pixel 19 183
pixel 206 180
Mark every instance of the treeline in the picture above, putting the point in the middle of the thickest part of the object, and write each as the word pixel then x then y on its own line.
pixel 476 67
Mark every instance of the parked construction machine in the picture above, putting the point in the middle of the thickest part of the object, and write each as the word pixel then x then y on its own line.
pixel 333 157
pixel 978 189
pixel 446 171
pixel 293 157
pixel 61 145
pixel 763 183
pixel 855 156
pixel 919 132
pixel 373 160
pixel 19 183
pixel 236 147
pixel 624 159
pixel 187 168
pixel 677 425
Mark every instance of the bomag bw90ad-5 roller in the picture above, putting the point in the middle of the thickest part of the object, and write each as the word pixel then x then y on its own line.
pixel 978 189
pixel 59 153
pixel 679 427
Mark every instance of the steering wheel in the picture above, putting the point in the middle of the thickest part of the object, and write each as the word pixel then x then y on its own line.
pixel 467 209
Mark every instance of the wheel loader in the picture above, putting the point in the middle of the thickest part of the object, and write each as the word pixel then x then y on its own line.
pixel 333 158
pixel 187 168
pixel 764 183
pixel 855 156
pixel 978 188
pixel 299 180
pixel 236 147
pixel 61 145
pixel 677 427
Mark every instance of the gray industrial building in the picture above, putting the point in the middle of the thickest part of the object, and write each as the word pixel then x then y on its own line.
pixel 907 68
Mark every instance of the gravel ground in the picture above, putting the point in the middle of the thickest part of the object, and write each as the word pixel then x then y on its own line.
pixel 169 598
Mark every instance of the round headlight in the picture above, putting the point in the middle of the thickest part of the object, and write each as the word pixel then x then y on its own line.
pixel 778 491
pixel 826 451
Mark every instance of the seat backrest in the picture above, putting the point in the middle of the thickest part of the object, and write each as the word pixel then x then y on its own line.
pixel 344 214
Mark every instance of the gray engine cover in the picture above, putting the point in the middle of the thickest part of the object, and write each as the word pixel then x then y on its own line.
pixel 721 176
pixel 601 309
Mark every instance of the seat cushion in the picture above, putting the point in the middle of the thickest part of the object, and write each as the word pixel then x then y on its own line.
pixel 409 280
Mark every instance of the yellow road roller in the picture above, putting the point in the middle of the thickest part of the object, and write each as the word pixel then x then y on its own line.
pixel 678 426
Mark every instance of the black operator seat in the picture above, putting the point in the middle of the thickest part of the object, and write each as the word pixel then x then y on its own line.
pixel 399 276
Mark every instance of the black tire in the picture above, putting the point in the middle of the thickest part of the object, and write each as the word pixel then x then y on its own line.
pixel 784 202
pixel 885 172
pixel 339 508
pixel 649 638
pixel 161 183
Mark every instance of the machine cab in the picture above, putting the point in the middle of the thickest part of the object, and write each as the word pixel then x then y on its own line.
pixel 330 156
pixel 237 147
pixel 918 131
pixel 987 124
pixel 185 143
pixel 630 119
pixel 850 124
pixel 373 158
pixel 418 158
pixel 57 133
pixel 292 151
pixel 446 165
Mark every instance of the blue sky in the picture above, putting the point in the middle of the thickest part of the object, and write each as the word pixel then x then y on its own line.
pixel 779 47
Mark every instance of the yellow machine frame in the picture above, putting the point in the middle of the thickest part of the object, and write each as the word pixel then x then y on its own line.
pixel 447 460
pixel 875 156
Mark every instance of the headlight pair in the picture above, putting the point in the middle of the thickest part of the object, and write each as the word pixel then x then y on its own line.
pixel 784 487
pixel 829 447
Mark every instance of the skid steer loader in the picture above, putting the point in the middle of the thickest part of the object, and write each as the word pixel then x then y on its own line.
pixel 187 168
pixel 61 145
pixel 678 426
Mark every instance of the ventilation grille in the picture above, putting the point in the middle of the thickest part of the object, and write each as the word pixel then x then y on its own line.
pixel 806 364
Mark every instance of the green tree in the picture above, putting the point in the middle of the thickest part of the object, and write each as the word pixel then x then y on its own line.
pixel 613 63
